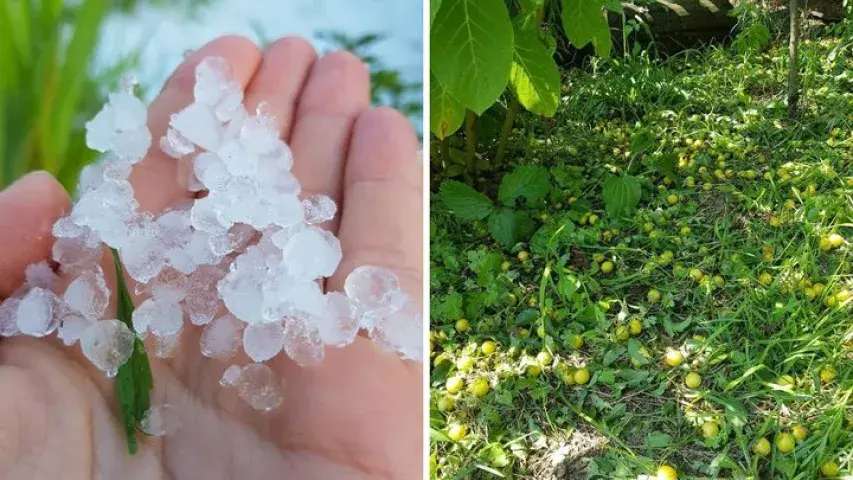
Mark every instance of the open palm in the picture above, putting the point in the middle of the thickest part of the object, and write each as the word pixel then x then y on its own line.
pixel 356 415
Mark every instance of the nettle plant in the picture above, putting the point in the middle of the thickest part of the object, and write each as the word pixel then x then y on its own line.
pixel 507 223
pixel 484 49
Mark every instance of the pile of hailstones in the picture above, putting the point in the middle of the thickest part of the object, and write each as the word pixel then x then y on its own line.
pixel 245 259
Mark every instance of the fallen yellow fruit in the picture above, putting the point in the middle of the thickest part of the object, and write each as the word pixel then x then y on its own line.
pixel 693 380
pixel 761 447
pixel 457 432
pixel 673 358
pixel 829 469
pixel 785 442
pixel 666 472
pixel 581 376
pixel 800 432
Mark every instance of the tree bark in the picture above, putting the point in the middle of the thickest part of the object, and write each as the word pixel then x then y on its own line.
pixel 793 59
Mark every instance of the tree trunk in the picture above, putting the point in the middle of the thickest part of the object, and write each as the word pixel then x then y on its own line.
pixel 793 59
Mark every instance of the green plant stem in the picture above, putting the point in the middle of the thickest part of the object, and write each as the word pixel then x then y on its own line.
pixel 509 120
pixel 471 143
pixel 444 146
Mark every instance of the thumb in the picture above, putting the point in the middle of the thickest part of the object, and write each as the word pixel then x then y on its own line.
pixel 28 209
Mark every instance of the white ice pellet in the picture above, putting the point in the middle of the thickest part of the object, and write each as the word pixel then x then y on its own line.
pixel 302 341
pixel 88 294
pixel 175 145
pixel 101 130
pixel 245 260
pixel 259 386
pixel 230 376
pixel 338 326
pixel 9 317
pixel 130 114
pixel 211 79
pixel 165 347
pixel 401 332
pixel 263 341
pixel 222 337
pixel 371 287
pixel 199 125
pixel 37 315
pixel 319 209
pixel 74 254
pixel 41 275
pixel 108 344
pixel 161 421
pixel 72 324
pixel 312 253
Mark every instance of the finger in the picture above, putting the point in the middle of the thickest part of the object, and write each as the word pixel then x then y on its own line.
pixel 337 91
pixel 154 179
pixel 28 210
pixel 382 218
pixel 280 79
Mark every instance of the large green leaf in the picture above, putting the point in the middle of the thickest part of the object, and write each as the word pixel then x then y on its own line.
pixel 471 50
pixel 534 77
pixel 434 5
pixel 509 227
pixel 529 181
pixel 584 22
pixel 446 114
pixel 465 202
pixel 621 195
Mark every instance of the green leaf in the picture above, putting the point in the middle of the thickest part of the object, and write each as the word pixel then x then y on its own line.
pixel 434 5
pixel 621 195
pixel 553 236
pixel 614 6
pixel 642 141
pixel 451 306
pixel 666 165
pixel 446 114
pixel 471 44
pixel 658 440
pixel 584 22
pixel 134 381
pixel 534 77
pixel 529 181
pixel 735 411
pixel 635 352
pixel 465 202
pixel 436 436
pixel 496 455
pixel 567 285
pixel 509 227
pixel 612 355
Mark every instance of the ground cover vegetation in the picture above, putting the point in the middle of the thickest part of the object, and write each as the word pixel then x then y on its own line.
pixel 653 278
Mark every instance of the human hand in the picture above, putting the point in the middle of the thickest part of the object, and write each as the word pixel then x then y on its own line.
pixel 356 415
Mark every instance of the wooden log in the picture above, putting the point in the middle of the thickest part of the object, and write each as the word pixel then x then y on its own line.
pixel 677 24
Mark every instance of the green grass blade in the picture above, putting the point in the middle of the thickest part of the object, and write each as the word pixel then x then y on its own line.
pixel 134 381
pixel 74 73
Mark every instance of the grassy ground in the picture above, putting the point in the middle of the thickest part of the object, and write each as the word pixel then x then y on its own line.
pixel 731 264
